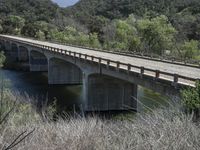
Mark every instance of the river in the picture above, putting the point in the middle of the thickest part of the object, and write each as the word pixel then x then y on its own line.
pixel 68 98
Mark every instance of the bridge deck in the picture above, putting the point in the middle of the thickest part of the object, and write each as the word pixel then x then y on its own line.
pixel 187 71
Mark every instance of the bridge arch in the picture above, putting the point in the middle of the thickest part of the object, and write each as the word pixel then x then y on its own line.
pixel 14 51
pixel 23 54
pixel 38 61
pixel 2 45
pixel 104 92
pixel 64 72
pixel 8 47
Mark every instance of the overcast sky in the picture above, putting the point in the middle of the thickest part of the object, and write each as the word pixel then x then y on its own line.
pixel 65 3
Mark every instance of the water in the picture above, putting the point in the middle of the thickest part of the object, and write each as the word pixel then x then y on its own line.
pixel 35 84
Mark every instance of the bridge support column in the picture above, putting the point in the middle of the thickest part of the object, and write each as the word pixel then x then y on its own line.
pixel 2 45
pixel 62 72
pixel 103 93
pixel 23 55
pixel 38 62
pixel 7 47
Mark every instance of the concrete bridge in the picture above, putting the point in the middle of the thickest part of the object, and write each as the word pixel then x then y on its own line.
pixel 109 80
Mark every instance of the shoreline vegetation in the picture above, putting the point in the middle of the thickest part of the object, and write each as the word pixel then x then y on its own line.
pixel 22 127
pixel 163 128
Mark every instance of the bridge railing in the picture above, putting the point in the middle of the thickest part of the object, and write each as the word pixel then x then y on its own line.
pixel 118 66
pixel 155 57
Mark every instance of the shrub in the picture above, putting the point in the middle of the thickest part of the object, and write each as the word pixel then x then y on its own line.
pixel 191 98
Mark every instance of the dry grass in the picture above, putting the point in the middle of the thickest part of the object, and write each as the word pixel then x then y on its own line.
pixel 160 129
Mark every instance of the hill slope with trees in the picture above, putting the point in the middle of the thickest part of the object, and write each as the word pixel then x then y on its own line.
pixel 151 26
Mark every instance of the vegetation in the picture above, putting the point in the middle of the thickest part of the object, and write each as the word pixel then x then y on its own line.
pixel 163 28
pixel 191 99
pixel 159 129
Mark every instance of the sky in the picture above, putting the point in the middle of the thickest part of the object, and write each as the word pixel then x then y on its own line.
pixel 65 3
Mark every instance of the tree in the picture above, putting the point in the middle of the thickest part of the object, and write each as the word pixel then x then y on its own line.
pixel 157 34
pixel 40 35
pixel 191 98
pixel 94 41
pixel 2 58
pixel 190 50
pixel 1 28
pixel 13 24
pixel 122 35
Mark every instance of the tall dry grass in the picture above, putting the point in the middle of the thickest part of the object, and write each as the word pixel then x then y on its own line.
pixel 164 129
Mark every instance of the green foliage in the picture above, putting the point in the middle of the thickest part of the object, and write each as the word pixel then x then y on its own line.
pixel 2 58
pixel 157 34
pixel 140 25
pixel 190 50
pixel 94 41
pixel 1 28
pixel 191 97
pixel 40 35
pixel 13 24
pixel 122 35
pixel 152 35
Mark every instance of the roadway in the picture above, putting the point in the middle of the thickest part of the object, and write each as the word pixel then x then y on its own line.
pixel 187 71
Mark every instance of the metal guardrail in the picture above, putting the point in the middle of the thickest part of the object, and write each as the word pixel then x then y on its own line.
pixel 157 74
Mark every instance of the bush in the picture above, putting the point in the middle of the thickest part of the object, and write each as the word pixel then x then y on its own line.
pixel 191 98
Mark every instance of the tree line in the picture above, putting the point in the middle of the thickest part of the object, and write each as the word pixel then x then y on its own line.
pixel 155 27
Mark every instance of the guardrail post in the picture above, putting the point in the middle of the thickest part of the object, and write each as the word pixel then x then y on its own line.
pixel 100 68
pixel 69 53
pixel 92 57
pixel 128 68
pixel 99 61
pixel 157 74
pixel 80 55
pixel 175 78
pixel 141 71
pixel 86 56
pixel 108 64
pixel 118 65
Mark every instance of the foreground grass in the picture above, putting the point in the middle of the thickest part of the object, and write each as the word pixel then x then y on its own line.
pixel 160 129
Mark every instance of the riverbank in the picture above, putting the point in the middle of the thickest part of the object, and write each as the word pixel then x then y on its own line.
pixel 157 129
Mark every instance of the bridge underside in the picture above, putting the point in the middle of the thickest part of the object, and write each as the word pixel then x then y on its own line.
pixel 38 62
pixel 108 93
pixel 14 51
pixel 23 54
pixel 62 72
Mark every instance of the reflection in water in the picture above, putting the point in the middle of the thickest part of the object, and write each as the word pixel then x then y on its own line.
pixel 35 84
pixel 150 100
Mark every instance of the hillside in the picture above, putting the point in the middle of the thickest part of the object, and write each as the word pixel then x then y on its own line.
pixel 115 9
pixel 95 14
pixel 150 26
pixel 31 10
